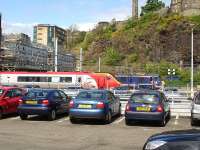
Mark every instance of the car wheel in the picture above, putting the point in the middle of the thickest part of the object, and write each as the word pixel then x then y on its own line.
pixel 1 114
pixel 108 118
pixel 163 122
pixel 169 115
pixel 127 122
pixel 120 111
pixel 193 122
pixel 23 116
pixel 73 120
pixel 52 115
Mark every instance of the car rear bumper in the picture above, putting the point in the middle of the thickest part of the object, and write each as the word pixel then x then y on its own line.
pixel 33 110
pixel 87 113
pixel 157 116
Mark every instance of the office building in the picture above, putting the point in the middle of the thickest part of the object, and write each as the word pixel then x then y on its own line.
pixel 45 34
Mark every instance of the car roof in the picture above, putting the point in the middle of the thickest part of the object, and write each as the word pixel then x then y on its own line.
pixel 103 91
pixel 147 92
pixel 176 135
pixel 8 87
pixel 39 89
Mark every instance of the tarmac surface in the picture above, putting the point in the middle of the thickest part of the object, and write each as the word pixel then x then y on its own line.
pixel 37 133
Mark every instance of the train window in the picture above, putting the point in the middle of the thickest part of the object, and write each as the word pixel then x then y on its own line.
pixel 32 79
pixel 66 79
pixel 79 80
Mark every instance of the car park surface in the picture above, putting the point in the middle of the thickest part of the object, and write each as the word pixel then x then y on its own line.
pixel 37 133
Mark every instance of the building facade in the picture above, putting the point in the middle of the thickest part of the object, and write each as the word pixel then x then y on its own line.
pixel 45 34
pixel 0 32
pixel 18 53
pixel 186 7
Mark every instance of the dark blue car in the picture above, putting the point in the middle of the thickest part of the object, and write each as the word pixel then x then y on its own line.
pixel 47 102
pixel 94 104
pixel 174 140
pixel 147 105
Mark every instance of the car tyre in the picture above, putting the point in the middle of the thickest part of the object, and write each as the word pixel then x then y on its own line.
pixel 193 122
pixel 73 120
pixel 163 122
pixel 108 118
pixel 120 111
pixel 1 114
pixel 23 116
pixel 52 115
pixel 127 122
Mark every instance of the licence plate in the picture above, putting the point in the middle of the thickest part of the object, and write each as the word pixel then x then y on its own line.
pixel 31 102
pixel 146 109
pixel 84 106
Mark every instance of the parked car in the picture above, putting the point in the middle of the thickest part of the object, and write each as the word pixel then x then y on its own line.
pixel 174 140
pixel 195 111
pixel 9 99
pixel 47 102
pixel 147 105
pixel 94 104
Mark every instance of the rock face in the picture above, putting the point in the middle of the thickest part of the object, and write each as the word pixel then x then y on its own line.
pixel 186 7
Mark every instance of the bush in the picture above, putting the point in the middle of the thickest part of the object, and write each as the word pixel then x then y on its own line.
pixel 112 57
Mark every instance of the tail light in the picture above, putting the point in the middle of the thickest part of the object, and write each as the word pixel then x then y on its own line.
pixel 100 105
pixel 159 108
pixel 20 101
pixel 45 102
pixel 127 107
pixel 71 104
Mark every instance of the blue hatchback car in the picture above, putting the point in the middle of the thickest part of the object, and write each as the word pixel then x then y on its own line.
pixel 174 140
pixel 147 105
pixel 47 102
pixel 94 104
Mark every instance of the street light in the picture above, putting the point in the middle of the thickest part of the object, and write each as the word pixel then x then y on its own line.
pixel 192 63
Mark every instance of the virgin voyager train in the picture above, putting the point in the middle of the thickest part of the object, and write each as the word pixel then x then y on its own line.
pixel 59 79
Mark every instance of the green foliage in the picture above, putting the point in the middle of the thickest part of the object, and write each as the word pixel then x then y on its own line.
pixel 132 58
pixel 195 19
pixel 112 57
pixel 88 40
pixel 151 6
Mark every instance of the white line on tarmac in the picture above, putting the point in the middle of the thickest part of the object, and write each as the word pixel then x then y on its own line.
pixel 120 120
pixel 15 118
pixel 62 120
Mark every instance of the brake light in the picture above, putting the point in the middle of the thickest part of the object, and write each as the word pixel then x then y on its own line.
pixel 159 108
pixel 20 101
pixel 45 102
pixel 100 105
pixel 127 107
pixel 71 104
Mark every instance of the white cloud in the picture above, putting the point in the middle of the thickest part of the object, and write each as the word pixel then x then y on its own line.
pixel 18 27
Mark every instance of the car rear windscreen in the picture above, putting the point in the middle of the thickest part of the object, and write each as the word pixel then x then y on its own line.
pixel 145 98
pixel 37 94
pixel 91 95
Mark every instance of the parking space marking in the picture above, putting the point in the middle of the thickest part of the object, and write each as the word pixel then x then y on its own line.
pixel 120 120
pixel 62 120
pixel 15 118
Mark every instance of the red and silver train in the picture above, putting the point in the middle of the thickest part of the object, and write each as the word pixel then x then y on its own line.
pixel 59 79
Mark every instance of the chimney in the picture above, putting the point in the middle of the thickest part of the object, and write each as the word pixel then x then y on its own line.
pixel 135 9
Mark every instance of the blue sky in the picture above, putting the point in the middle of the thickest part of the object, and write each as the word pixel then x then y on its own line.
pixel 21 15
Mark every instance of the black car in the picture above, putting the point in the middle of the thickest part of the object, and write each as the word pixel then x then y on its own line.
pixel 47 102
pixel 174 140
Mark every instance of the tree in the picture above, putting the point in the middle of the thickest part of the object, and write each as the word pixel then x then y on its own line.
pixel 152 5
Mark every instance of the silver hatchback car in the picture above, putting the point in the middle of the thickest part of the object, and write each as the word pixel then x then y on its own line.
pixel 195 111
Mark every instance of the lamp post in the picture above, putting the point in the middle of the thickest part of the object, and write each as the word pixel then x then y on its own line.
pixel 192 63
